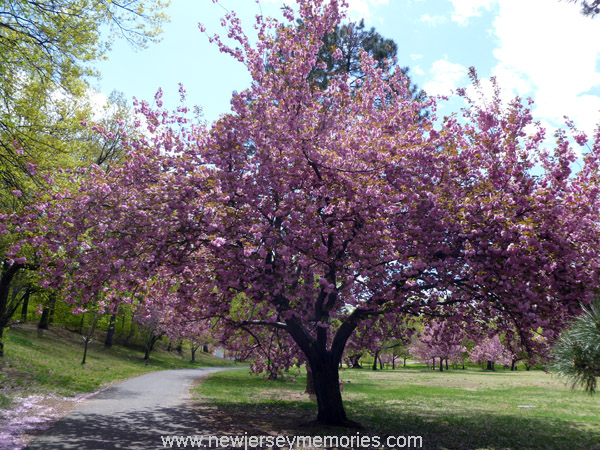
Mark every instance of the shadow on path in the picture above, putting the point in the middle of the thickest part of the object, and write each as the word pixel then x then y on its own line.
pixel 127 430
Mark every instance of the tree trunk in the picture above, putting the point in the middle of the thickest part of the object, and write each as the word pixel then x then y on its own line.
pixel 52 307
pixel 25 304
pixel 441 364
pixel 205 348
pixel 1 340
pixel 152 339
pixel 375 360
pixel 110 333
pixel 7 273
pixel 193 348
pixel 513 365
pixel 43 325
pixel 404 363
pixel 489 366
pixel 85 347
pixel 446 363
pixel 326 381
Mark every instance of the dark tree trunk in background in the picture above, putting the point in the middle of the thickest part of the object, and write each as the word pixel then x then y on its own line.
pixel 86 342
pixel 446 363
pixel 205 348
pixel 489 366
pixel 8 272
pixel 441 364
pixel 43 325
pixel 375 360
pixel 52 307
pixel 193 349
pixel 152 339
pixel 110 333
pixel 355 361
pixel 25 304
pixel 48 313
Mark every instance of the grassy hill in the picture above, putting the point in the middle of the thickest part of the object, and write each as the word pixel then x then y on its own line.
pixel 50 363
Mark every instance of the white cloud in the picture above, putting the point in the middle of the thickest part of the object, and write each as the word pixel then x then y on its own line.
pixel 553 59
pixel 446 76
pixel 465 9
pixel 361 9
pixel 433 21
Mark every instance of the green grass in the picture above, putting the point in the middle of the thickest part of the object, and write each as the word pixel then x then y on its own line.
pixel 469 409
pixel 50 364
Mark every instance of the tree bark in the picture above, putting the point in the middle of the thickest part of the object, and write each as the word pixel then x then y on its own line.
pixel 43 325
pixel 25 304
pixel 327 388
pixel 152 339
pixel 8 272
pixel 446 363
pixel 441 364
pixel 85 348
pixel 489 366
pixel 110 333
pixel 375 360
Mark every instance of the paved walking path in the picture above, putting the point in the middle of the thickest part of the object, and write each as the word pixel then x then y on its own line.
pixel 131 415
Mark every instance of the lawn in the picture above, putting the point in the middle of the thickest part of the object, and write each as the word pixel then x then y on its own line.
pixel 470 409
pixel 50 364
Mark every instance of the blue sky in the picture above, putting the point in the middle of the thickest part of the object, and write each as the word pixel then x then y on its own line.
pixel 544 49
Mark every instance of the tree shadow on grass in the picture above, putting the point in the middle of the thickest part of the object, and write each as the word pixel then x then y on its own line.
pixel 438 431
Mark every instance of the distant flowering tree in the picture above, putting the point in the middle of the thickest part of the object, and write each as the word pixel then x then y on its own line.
pixel 312 212
pixel 441 340
pixel 491 351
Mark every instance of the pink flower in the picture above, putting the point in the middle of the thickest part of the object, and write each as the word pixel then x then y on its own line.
pixel 218 242
pixel 337 54
pixel 17 193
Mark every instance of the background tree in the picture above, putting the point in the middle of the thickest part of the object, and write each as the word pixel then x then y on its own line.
pixel 491 351
pixel 47 49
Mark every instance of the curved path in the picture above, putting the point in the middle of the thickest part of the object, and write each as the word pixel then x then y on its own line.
pixel 131 415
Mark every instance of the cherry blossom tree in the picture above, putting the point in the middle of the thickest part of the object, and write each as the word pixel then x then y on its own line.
pixel 442 340
pixel 314 211
pixel 491 351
